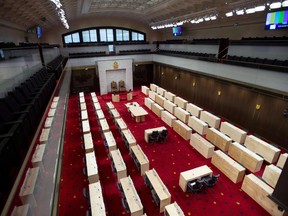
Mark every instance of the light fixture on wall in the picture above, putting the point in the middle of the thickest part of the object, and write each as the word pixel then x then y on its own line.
pixel 194 84
pixel 219 93
pixel 258 106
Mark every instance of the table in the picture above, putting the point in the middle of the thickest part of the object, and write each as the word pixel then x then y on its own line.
pixel 115 114
pixel 145 90
pixel 44 135
pixel 271 175
pixel 168 118
pixel 170 96
pixel 173 210
pixel 83 106
pixel 115 97
pixel 182 129
pixel 159 187
pixel 94 99
pixel 153 87
pixel 26 193
pixel 54 104
pixel 218 139
pixel 81 94
pixel 132 197
pixel 193 109
pixel 104 125
pixel 110 141
pixel 157 109
pixel 84 115
pixel 193 174
pixel 212 120
pixel 137 111
pixel 38 156
pixel 97 106
pixel 120 124
pixel 160 100
pixel 181 114
pixel 85 126
pixel 169 106
pixel 149 131
pixel 128 138
pixel 48 122
pixel 140 159
pixel 161 91
pixel 96 199
pixel 51 112
pixel 119 164
pixel 282 160
pixel 100 114
pixel 88 142
pixel 92 168
pixel 82 100
pixel 109 106
pixel 180 102
pixel 198 125
pixel 203 146
pixel 235 133
pixel 152 95
pixel 148 102
pixel 23 210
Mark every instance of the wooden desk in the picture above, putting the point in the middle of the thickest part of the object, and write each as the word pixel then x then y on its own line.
pixel 140 159
pixel 82 100
pixel 119 164
pixel 115 98
pixel 96 200
pixel 212 120
pixel 109 106
pixel 56 99
pixel 246 157
pixel 198 125
pixel 110 141
pixel 193 109
pixel 23 210
pixel 97 106
pixel 88 142
pixel 182 129
pixel 128 138
pixel 153 87
pixel 83 106
pixel 152 95
pixel 203 146
pixel 157 109
pixel 169 96
pixel 94 99
pixel 81 94
pixel 54 104
pixel 132 104
pixel 160 100
pixel 139 113
pixel 193 174
pixel 145 90
pixel 37 158
pixel 84 115
pixel 168 118
pixel 120 124
pixel 104 125
pixel 26 193
pixel 92 168
pixel 44 135
pixel 51 112
pixel 282 160
pixel 159 188
pixel 235 133
pixel 147 132
pixel 48 122
pixel 169 106
pixel 271 175
pixel 180 102
pixel 267 151
pixel 173 210
pixel 115 114
pixel 258 190
pixel 181 114
pixel 218 139
pixel 161 91
pixel 148 102
pixel 85 126
pixel 93 94
pixel 233 170
pixel 132 197
pixel 100 115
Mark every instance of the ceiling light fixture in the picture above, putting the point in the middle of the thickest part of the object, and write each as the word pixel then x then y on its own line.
pixel 240 12
pixel 275 5
pixel 213 17
pixel 259 8
pixel 60 13
pixel 250 10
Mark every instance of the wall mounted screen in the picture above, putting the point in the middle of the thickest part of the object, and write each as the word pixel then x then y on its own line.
pixel 277 20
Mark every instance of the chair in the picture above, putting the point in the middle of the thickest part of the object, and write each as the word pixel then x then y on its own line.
pixel 125 204
pixel 211 181
pixel 195 186
pixel 163 135
pixel 114 86
pixel 122 86
pixel 153 137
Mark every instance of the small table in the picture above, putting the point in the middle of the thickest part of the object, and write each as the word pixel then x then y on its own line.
pixel 136 111
pixel 193 174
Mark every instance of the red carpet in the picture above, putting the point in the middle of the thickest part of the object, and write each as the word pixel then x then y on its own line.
pixel 168 158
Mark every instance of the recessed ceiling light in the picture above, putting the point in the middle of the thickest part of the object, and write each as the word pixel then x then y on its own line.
pixel 275 5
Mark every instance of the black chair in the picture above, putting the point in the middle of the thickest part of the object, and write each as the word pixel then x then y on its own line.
pixel 163 135
pixel 125 204
pixel 211 181
pixel 153 137
pixel 155 197
pixel 195 186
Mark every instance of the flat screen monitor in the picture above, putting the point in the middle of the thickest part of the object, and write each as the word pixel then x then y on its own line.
pixel 39 31
pixel 276 20
pixel 177 30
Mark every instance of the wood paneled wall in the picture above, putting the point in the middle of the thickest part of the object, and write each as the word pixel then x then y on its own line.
pixel 235 103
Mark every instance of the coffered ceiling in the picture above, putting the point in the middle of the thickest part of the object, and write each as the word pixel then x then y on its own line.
pixel 26 14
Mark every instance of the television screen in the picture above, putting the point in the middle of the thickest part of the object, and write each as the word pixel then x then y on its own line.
pixel 177 30
pixel 39 32
pixel 277 20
